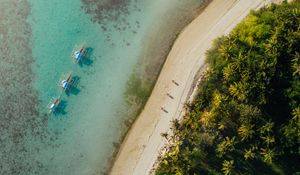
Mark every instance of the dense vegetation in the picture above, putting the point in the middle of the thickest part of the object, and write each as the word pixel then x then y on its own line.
pixel 246 117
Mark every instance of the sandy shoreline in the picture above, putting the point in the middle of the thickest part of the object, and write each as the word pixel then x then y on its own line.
pixel 143 142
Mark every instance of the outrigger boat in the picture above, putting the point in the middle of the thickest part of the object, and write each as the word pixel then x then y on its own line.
pixel 79 54
pixel 67 83
pixel 53 105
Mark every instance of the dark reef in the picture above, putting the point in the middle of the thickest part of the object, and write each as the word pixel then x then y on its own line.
pixel 21 123
pixel 103 11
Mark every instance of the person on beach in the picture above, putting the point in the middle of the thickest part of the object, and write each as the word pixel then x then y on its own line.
pixel 173 81
pixel 169 95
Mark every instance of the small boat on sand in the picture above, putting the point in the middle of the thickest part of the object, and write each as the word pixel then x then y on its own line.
pixel 79 54
pixel 53 105
pixel 67 83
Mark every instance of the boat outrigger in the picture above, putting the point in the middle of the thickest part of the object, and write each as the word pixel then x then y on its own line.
pixel 67 83
pixel 53 105
pixel 79 54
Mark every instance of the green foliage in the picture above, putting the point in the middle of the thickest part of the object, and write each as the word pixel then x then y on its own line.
pixel 226 146
pixel 246 117
pixel 246 131
pixel 249 153
pixel 227 167
pixel 268 155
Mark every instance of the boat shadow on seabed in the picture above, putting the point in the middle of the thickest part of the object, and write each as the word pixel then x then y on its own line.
pixel 74 90
pixel 61 108
pixel 87 61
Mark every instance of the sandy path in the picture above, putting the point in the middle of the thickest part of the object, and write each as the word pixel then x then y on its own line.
pixel 141 147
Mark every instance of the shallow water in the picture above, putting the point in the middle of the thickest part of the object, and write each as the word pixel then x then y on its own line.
pixel 37 40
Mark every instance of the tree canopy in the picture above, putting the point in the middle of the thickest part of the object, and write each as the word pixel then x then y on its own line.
pixel 246 116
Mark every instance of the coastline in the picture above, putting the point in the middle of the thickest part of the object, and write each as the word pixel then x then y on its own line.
pixel 143 143
pixel 146 71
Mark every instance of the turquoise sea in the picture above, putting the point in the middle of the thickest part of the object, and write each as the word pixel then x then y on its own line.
pixel 37 38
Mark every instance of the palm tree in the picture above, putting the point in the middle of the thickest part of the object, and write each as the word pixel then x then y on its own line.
pixel 296 114
pixel 268 155
pixel 206 118
pixel 227 166
pixel 267 128
pixel 227 145
pixel 217 99
pixel 246 131
pixel 291 131
pixel 248 112
pixel 269 140
pixel 237 90
pixel 227 72
pixel 296 64
pixel 249 153
pixel 225 50
pixel 175 124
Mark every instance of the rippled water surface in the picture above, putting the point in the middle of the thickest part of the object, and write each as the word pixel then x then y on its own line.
pixel 37 38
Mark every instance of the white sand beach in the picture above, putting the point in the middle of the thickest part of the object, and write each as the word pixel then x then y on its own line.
pixel 142 145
